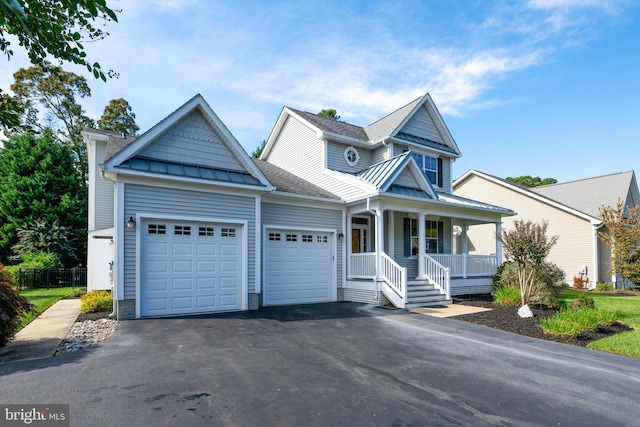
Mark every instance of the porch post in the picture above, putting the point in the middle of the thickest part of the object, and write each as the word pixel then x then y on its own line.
pixel 349 246
pixel 498 244
pixel 422 244
pixel 379 239
pixel 465 250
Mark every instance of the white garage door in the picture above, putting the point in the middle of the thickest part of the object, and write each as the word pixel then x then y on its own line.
pixel 297 267
pixel 189 268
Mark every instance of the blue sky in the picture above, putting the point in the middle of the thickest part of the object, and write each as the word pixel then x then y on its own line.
pixel 546 88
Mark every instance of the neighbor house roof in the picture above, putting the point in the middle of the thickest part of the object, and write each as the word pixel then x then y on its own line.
pixel 589 194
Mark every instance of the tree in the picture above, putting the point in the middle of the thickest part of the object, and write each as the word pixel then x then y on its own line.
pixel 531 181
pixel 259 149
pixel 39 87
pixel 527 245
pixel 621 234
pixel 40 183
pixel 329 113
pixel 118 117
pixel 55 29
pixel 44 237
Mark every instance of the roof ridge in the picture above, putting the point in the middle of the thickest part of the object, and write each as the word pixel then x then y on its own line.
pixel 585 179
pixel 324 118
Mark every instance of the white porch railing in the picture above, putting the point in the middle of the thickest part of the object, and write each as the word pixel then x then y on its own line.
pixel 395 277
pixel 362 265
pixel 438 275
pixel 468 265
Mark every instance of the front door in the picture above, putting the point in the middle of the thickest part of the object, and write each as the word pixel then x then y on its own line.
pixel 355 240
pixel 359 235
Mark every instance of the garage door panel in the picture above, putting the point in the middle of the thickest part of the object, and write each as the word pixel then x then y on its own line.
pixel 206 249
pixel 197 270
pixel 182 266
pixel 182 249
pixel 297 267
pixel 206 283
pixel 182 284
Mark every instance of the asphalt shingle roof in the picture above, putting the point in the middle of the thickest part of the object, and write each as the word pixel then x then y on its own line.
pixel 331 125
pixel 385 126
pixel 587 195
pixel 289 183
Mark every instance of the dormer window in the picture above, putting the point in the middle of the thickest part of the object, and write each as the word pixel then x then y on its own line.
pixel 351 156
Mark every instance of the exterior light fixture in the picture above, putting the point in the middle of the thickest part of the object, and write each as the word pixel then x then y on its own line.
pixel 340 236
pixel 130 223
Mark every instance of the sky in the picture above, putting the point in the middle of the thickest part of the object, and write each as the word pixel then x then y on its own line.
pixel 547 88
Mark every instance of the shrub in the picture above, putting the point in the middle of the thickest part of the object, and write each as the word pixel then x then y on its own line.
pixel 35 260
pixel 506 295
pixel 583 301
pixel 12 306
pixel 96 301
pixel 571 323
pixel 604 287
pixel 545 291
pixel 578 282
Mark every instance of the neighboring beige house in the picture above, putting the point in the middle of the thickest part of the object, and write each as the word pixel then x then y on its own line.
pixel 571 209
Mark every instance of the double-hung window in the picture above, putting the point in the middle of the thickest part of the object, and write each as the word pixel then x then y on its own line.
pixel 429 166
pixel 434 237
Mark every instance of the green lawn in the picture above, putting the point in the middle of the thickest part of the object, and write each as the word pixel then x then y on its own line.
pixel 43 299
pixel 627 309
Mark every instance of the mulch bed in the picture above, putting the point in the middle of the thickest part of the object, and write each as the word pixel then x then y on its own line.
pixel 507 319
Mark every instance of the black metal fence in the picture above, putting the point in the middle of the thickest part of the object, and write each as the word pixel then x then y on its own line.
pixel 37 278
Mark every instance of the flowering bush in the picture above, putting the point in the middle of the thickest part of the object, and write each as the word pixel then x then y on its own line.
pixel 578 282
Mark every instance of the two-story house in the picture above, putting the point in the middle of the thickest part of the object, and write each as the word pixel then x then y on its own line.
pixel 190 223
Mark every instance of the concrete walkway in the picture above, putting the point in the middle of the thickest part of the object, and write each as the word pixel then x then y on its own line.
pixel 448 310
pixel 43 335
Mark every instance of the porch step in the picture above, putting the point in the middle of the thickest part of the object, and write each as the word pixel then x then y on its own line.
pixel 421 293
pixel 429 303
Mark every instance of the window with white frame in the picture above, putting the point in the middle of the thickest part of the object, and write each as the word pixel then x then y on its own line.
pixel 429 166
pixel 433 237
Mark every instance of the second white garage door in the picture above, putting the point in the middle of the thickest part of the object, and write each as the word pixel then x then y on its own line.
pixel 190 267
pixel 298 267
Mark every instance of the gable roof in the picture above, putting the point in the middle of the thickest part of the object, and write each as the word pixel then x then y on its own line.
pixel 589 194
pixel 287 182
pixel 593 219
pixel 126 154
pixel 388 127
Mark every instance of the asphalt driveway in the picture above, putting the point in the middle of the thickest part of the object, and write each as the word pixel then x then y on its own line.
pixel 339 364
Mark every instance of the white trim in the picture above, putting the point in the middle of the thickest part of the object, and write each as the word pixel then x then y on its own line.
pixel 143 216
pixel 118 225
pixel 258 247
pixel 345 154
pixel 334 259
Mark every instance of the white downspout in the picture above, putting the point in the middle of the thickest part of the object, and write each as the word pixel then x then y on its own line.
pixel 596 259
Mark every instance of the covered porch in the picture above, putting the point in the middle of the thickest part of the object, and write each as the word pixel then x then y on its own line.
pixel 413 255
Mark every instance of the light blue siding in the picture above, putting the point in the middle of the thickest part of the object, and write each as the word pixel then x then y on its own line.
pixel 103 193
pixel 194 141
pixel 290 216
pixel 336 160
pixel 421 124
pixel 297 150
pixel 168 202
